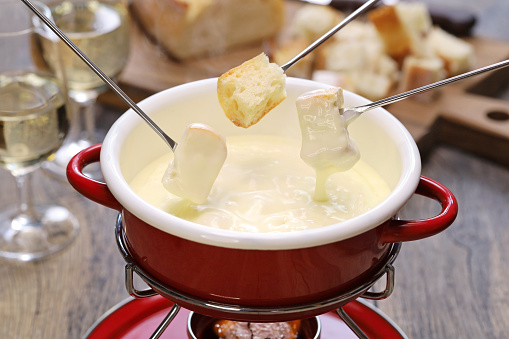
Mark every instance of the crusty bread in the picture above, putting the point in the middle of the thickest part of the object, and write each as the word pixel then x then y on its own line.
pixel 357 30
pixel 397 41
pixel 457 54
pixel 312 21
pixel 418 72
pixel 308 23
pixel 374 86
pixel 249 91
pixel 358 64
pixel 370 57
pixel 196 28
pixel 402 28
pixel 371 85
pixel 344 80
pixel 346 56
pixel 417 24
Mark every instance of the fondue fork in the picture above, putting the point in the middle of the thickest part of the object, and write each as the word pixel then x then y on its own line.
pixel 351 113
pixel 102 75
pixel 172 143
pixel 327 35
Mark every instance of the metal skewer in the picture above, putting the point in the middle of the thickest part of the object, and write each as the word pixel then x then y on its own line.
pixel 351 113
pixel 133 105
pixel 101 74
pixel 327 35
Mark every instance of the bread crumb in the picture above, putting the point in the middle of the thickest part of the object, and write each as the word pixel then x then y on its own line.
pixel 249 91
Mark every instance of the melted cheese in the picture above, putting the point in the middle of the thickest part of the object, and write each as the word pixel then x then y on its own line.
pixel 198 158
pixel 326 144
pixel 264 186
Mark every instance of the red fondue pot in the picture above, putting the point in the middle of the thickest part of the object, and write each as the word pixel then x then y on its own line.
pixel 258 269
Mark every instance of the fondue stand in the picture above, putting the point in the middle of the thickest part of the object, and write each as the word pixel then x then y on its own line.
pixel 158 288
pixel 298 275
pixel 238 312
pixel 320 273
pixel 232 311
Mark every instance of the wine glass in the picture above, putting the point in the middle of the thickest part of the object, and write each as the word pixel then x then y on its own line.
pixel 33 125
pixel 101 30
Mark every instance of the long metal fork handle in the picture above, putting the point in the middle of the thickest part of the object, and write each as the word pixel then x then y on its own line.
pixel 327 35
pixel 101 74
pixel 355 111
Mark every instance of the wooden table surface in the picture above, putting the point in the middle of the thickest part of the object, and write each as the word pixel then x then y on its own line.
pixel 453 285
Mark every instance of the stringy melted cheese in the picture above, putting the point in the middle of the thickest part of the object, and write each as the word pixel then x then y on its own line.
pixel 326 144
pixel 264 186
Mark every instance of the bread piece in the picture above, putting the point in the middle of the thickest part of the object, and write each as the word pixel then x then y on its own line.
pixel 360 66
pixel 392 31
pixel 249 91
pixel 457 54
pixel 373 86
pixel 337 79
pixel 198 158
pixel 419 72
pixel 357 31
pixel 346 56
pixel 415 16
pixel 312 21
pixel 403 28
pixel 385 65
pixel 417 23
pixel 195 28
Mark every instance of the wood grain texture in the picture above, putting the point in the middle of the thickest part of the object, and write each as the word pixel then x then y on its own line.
pixel 62 296
pixel 453 285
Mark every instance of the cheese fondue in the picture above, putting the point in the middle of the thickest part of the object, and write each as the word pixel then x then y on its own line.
pixel 200 147
pixel 264 186
pixel 326 144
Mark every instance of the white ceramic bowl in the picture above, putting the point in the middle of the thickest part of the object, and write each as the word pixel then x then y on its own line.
pixel 384 143
pixel 270 270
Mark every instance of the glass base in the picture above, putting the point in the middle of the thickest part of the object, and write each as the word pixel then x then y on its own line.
pixel 58 165
pixel 30 238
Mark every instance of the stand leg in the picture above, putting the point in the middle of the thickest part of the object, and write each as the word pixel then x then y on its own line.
pixel 351 324
pixel 166 322
pixel 129 284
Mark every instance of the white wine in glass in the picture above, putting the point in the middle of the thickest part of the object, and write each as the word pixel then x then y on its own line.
pixel 33 119
pixel 101 30
pixel 33 125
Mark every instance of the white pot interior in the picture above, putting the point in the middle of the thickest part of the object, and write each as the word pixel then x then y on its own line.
pixel 131 144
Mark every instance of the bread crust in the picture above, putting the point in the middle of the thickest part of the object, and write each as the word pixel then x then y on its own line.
pixel 196 28
pixel 392 31
pixel 249 91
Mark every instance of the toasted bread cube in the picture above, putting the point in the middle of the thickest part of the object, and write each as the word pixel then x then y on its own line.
pixel 249 91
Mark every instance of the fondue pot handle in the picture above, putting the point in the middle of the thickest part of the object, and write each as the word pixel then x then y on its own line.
pixel 92 189
pixel 408 230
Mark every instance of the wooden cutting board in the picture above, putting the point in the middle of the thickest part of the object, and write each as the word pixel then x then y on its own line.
pixel 466 114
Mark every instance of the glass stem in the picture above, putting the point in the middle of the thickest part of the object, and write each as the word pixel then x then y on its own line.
pixel 24 185
pixel 89 119
pixel 84 119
